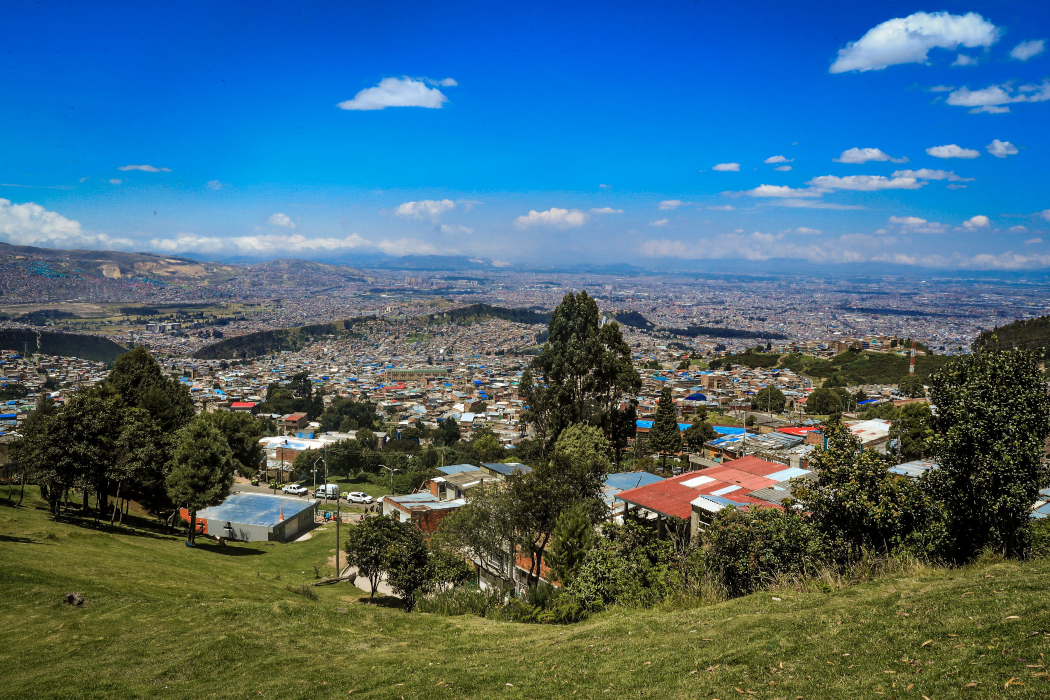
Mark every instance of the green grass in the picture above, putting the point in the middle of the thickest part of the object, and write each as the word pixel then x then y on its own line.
pixel 166 621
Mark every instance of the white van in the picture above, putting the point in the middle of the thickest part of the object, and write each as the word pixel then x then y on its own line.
pixel 327 491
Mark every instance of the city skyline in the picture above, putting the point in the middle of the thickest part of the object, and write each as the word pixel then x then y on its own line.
pixel 606 134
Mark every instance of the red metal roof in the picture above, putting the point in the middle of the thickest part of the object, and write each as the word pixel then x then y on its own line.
pixel 242 404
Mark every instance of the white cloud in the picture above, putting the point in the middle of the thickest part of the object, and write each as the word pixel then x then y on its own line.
pixel 942 88
pixel 447 82
pixel 915 224
pixel 216 184
pixel 808 231
pixel 396 92
pixel 1033 241
pixel 864 183
pixel 722 207
pixel 782 191
pixel 425 208
pixel 931 174
pixel 658 222
pixel 863 155
pixel 603 186
pixel 83 180
pixel 815 204
pixel 727 167
pixel 145 168
pixel 115 181
pixel 280 219
pixel 554 217
pixel 1045 214
pixel 1028 49
pixel 951 151
pixel 673 204
pixel 778 159
pixel 964 60
pixel 266 245
pixel 909 40
pixel 1017 229
pixel 454 230
pixel 907 220
pixel 783 168
pixel 606 210
pixel 975 222
pixel 995 99
pixel 1001 149
pixel 32 224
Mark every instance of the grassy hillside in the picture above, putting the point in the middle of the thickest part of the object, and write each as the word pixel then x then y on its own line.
pixel 476 313
pixel 266 342
pixel 88 347
pixel 862 367
pixel 162 620
pixel 1030 334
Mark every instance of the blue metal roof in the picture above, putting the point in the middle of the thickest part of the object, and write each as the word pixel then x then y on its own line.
pixel 457 468
pixel 256 509
pixel 623 481
pixel 506 469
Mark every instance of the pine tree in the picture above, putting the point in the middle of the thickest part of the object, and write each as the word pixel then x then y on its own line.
pixel 664 437
pixel 573 535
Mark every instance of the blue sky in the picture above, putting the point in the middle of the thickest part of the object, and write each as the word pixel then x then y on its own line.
pixel 535 134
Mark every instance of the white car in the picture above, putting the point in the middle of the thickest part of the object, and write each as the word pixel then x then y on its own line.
pixel 358 497
pixel 294 489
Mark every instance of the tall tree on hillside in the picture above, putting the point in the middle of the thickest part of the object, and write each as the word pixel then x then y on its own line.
pixel 583 373
pixel 139 450
pixel 572 539
pixel 991 427
pixel 366 547
pixel 697 434
pixel 242 432
pixel 769 399
pixel 664 436
pixel 201 470
pixel 139 381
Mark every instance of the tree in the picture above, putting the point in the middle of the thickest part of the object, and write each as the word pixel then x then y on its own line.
pixel 585 368
pixel 409 566
pixel 367 438
pixel 620 427
pixel 857 504
pixel 572 539
pixel 912 387
pixel 991 426
pixel 448 432
pixel 488 448
pixel 664 436
pixel 823 401
pixel 769 399
pixel 139 450
pixel 367 545
pixel 911 426
pixel 201 470
pixel 242 432
pixel 697 434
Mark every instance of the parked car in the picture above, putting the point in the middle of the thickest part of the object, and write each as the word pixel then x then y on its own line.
pixel 327 491
pixel 295 489
pixel 358 497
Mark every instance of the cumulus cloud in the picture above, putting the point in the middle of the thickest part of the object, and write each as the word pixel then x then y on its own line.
pixel 931 174
pixel 1033 241
pixel 265 245
pixel 951 151
pixel 815 204
pixel 1017 229
pixel 606 210
pixel 783 168
pixel 216 184
pixel 808 231
pixel 915 224
pixel 1028 49
pixel 115 181
pixel 778 159
pixel 907 220
pixel 910 39
pixel 727 167
pixel 864 183
pixel 722 207
pixel 453 229
pixel 447 82
pixel 782 191
pixel 603 186
pixel 1045 214
pixel 425 208
pixel 280 219
pixel 942 88
pixel 658 222
pixel 673 204
pixel 964 60
pixel 864 155
pixel 1001 149
pixel 145 168
pixel 398 92
pixel 31 224
pixel 553 217
pixel 996 99
pixel 975 222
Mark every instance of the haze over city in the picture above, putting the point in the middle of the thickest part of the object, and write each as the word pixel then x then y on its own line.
pixel 648 135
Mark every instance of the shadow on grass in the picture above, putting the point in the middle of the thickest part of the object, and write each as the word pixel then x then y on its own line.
pixel 14 539
pixel 382 601
pixel 229 550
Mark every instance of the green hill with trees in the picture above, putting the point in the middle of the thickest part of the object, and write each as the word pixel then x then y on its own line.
pixel 477 313
pixel 267 342
pixel 88 347
pixel 1026 334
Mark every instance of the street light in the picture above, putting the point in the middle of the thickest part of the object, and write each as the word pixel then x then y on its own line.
pixel 392 472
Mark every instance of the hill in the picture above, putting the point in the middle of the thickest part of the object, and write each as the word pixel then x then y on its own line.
pixel 87 347
pixel 476 313
pixel 1027 334
pixel 720 332
pixel 863 367
pixel 266 342
pixel 632 319
pixel 164 620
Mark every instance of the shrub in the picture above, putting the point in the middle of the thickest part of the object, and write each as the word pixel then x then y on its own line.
pixel 629 566
pixel 460 601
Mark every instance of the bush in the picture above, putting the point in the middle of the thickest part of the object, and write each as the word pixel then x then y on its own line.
pixel 629 566
pixel 746 551
pixel 515 610
pixel 460 601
